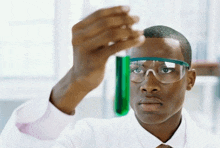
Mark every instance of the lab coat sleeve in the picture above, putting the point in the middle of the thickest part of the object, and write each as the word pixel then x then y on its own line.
pixel 80 135
pixel 34 124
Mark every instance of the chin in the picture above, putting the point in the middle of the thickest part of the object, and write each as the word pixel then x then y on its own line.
pixel 154 117
pixel 151 118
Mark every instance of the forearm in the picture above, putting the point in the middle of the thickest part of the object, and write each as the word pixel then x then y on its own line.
pixel 68 92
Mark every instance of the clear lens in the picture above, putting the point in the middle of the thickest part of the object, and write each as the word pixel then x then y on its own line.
pixel 165 72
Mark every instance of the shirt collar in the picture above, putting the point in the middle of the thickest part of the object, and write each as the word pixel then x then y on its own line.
pixel 178 140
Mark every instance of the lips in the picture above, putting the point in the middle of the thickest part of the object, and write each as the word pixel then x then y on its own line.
pixel 150 100
pixel 150 107
pixel 150 104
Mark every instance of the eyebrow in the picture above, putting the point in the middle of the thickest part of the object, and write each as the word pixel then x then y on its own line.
pixel 136 63
pixel 161 59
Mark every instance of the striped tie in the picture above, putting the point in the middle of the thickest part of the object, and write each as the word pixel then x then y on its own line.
pixel 164 146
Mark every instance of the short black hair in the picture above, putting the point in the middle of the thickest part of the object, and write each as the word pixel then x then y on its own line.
pixel 167 32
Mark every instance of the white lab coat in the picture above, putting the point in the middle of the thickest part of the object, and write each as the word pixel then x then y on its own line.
pixel 120 133
pixel 11 137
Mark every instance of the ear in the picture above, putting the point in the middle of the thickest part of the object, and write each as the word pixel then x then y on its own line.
pixel 191 78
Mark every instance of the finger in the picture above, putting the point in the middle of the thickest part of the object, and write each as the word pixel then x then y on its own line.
pixel 122 45
pixel 105 12
pixel 113 35
pixel 110 22
pixel 102 25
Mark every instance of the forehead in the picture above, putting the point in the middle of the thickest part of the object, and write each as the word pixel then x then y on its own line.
pixel 159 47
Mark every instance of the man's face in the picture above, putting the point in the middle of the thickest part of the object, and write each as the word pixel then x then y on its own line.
pixel 170 95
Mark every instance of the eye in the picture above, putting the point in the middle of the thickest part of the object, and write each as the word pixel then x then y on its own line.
pixel 167 70
pixel 137 70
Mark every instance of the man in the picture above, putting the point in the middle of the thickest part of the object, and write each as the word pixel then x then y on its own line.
pixel 160 75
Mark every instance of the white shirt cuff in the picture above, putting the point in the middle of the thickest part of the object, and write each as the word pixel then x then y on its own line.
pixel 48 126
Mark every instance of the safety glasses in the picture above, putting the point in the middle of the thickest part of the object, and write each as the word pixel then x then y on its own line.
pixel 165 70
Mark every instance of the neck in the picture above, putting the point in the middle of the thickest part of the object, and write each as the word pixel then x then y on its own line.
pixel 164 131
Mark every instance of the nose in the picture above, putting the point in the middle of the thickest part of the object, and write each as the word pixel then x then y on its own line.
pixel 150 84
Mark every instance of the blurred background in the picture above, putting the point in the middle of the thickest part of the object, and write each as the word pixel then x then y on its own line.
pixel 35 52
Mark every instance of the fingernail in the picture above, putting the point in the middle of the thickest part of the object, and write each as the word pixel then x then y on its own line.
pixel 110 43
pixel 125 8
pixel 142 38
pixel 135 27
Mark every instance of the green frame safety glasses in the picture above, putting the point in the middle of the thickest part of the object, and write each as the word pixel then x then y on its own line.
pixel 161 59
pixel 165 70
